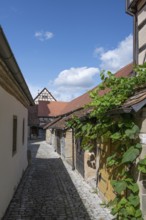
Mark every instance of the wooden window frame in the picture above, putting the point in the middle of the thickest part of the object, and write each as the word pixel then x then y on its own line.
pixel 23 131
pixel 14 140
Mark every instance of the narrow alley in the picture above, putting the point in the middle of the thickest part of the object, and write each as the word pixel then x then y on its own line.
pixel 50 190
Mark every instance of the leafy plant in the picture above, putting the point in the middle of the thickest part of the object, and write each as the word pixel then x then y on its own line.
pixel 120 129
pixel 142 165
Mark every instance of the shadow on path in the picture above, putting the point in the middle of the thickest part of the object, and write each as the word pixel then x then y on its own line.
pixel 46 192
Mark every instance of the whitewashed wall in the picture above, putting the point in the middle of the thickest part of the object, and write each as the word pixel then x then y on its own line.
pixel 11 167
pixel 142 33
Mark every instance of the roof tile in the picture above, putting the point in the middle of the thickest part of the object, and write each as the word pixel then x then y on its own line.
pixel 50 109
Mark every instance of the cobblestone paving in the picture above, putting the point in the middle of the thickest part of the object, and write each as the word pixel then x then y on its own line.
pixel 50 190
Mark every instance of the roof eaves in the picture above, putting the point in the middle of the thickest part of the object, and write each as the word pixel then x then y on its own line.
pixel 136 107
pixel 51 123
pixel 68 113
pixel 10 61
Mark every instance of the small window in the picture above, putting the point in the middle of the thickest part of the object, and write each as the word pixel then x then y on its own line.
pixel 14 146
pixel 23 131
pixel 44 96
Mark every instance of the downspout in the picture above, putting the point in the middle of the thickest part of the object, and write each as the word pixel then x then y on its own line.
pixel 73 151
pixel 135 40
pixel 131 10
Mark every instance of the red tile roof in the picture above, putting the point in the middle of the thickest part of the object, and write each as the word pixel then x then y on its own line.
pixel 54 109
pixel 60 122
pixel 124 72
pixel 50 109
pixel 77 104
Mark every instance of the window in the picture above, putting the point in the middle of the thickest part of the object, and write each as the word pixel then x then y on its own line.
pixel 23 131
pixel 14 146
pixel 44 96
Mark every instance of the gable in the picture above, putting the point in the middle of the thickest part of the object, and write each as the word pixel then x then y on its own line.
pixel 44 95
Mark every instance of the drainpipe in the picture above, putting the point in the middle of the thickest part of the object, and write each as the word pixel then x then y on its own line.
pixel 135 40
pixel 73 146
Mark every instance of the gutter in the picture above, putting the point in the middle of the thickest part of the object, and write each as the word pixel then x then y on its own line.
pixel 132 6
pixel 120 111
pixel 10 61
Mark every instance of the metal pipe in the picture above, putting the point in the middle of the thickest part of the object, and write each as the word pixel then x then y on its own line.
pixel 135 40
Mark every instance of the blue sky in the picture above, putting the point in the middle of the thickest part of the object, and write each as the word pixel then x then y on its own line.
pixel 63 44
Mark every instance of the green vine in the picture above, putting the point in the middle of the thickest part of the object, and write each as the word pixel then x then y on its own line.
pixel 122 132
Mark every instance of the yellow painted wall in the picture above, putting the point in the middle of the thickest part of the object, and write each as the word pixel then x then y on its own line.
pixel 104 174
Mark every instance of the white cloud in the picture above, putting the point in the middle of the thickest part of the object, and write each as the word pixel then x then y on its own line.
pixel 77 77
pixel 70 83
pixel 66 94
pixel 73 82
pixel 98 51
pixel 48 35
pixel 115 59
pixel 42 36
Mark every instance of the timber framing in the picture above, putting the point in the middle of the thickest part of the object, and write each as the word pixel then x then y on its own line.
pixel 50 96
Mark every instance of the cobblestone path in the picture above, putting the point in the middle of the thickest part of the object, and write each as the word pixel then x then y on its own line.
pixel 50 190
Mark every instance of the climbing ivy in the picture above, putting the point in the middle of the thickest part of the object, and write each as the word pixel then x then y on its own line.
pixel 121 131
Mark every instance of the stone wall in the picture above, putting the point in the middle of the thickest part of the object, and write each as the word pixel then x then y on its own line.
pixel 90 166
pixel 68 147
pixel 49 136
